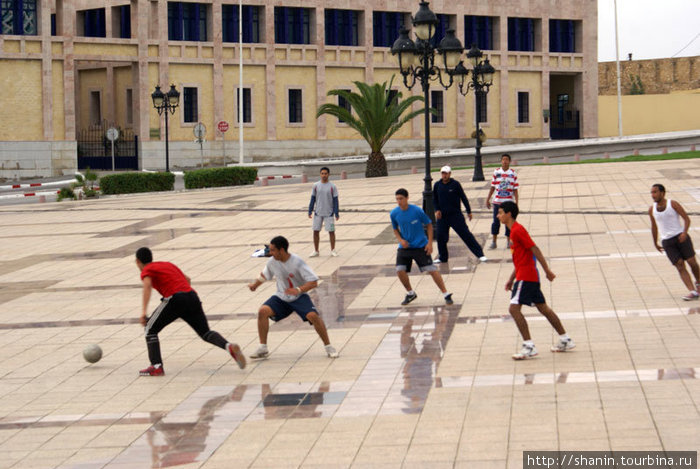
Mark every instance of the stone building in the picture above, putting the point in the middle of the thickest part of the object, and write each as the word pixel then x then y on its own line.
pixel 657 76
pixel 68 66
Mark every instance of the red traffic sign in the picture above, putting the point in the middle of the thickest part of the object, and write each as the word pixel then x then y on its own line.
pixel 222 126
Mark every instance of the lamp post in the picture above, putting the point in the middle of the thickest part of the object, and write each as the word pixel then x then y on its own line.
pixel 165 102
pixel 482 79
pixel 417 64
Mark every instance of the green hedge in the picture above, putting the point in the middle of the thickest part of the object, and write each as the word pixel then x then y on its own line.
pixel 128 183
pixel 219 177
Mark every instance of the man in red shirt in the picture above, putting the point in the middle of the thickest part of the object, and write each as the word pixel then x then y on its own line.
pixel 178 300
pixel 525 284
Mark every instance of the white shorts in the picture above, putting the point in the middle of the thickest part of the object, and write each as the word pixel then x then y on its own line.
pixel 328 222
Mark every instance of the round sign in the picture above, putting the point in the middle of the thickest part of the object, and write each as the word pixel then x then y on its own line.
pixel 112 134
pixel 200 130
pixel 223 126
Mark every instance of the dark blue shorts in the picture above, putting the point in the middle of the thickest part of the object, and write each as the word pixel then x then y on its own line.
pixel 302 306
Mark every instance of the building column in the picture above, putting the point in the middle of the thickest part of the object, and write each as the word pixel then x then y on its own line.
pixel 108 99
pixel 140 15
pixel 270 95
pixel 164 59
pixel 67 22
pixel 46 69
pixel 218 75
pixel 320 72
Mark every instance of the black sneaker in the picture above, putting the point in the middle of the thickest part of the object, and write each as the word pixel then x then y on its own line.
pixel 448 299
pixel 409 297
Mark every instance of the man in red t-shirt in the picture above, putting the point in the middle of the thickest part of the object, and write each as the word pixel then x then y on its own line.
pixel 525 284
pixel 178 300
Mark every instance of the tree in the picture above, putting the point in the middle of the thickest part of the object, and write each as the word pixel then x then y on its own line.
pixel 377 116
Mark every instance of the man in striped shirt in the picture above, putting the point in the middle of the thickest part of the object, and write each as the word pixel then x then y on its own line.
pixel 505 185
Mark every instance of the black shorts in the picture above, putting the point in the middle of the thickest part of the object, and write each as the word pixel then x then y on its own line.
pixel 526 293
pixel 405 257
pixel 675 250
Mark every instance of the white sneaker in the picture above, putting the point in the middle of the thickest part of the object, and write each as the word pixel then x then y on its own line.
pixel 334 253
pixel 483 259
pixel 437 261
pixel 261 352
pixel 527 352
pixel 314 254
pixel 331 351
pixel 563 346
pixel 692 295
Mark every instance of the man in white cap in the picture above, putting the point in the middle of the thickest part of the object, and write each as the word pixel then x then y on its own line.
pixel 448 196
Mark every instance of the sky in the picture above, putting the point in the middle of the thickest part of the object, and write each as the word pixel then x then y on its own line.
pixel 649 29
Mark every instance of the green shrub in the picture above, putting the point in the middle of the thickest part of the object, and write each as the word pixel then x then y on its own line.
pixel 219 177
pixel 66 193
pixel 129 183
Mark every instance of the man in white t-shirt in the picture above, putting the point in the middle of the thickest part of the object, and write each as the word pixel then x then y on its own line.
pixel 505 184
pixel 666 215
pixel 323 207
pixel 294 279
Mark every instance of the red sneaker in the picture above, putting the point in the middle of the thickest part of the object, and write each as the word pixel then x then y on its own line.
pixel 237 355
pixel 152 371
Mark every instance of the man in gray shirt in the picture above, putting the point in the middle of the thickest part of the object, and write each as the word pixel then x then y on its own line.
pixel 324 206
pixel 294 279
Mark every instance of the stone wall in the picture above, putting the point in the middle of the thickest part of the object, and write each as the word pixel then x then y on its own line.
pixel 37 159
pixel 658 76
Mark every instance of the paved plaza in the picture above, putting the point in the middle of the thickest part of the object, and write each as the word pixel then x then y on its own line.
pixel 424 385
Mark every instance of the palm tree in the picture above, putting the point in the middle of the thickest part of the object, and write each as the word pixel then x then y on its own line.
pixel 377 116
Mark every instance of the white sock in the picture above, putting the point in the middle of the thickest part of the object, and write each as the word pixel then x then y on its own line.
pixel 564 337
pixel 411 292
pixel 446 294
pixel 263 346
pixel 529 343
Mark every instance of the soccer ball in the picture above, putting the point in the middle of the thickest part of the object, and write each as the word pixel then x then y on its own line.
pixel 92 353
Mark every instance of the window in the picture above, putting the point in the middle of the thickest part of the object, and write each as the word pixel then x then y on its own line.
pixel 441 28
pixel 295 110
pixel 387 25
pixel 53 24
pixel 95 108
pixel 562 36
pixel 251 23
pixel 342 27
pixel 18 17
pixel 342 102
pixel 562 101
pixel 247 108
pixel 481 107
pixel 129 106
pixel 391 94
pixel 124 21
pixel 292 25
pixel 436 100
pixel 187 21
pixel 478 30
pixel 521 34
pixel 189 105
pixel 523 107
pixel 93 22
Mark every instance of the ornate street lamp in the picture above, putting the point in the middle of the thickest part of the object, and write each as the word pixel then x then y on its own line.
pixel 165 102
pixel 417 63
pixel 482 79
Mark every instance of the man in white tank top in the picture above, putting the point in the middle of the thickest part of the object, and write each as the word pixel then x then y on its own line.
pixel 666 217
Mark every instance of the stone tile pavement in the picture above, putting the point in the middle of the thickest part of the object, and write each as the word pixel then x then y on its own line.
pixel 426 385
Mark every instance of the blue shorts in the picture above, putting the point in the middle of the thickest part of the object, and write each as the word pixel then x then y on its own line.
pixel 302 306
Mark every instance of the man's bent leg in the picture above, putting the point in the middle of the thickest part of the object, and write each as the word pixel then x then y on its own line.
pixel 520 321
pixel 319 325
pixel 693 263
pixel 403 278
pixel 551 316
pixel 264 315
pixel 685 276
pixel 331 236
pixel 443 236
pixel 461 228
pixel 437 278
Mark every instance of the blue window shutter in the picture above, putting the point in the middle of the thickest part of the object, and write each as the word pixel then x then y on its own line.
pixel 101 22
pixel 511 34
pixel 194 22
pixel 553 46
pixel 179 15
pixel 530 34
pixel 488 44
pixel 571 36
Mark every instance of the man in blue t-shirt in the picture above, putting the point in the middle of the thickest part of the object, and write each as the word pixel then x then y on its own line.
pixel 408 222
